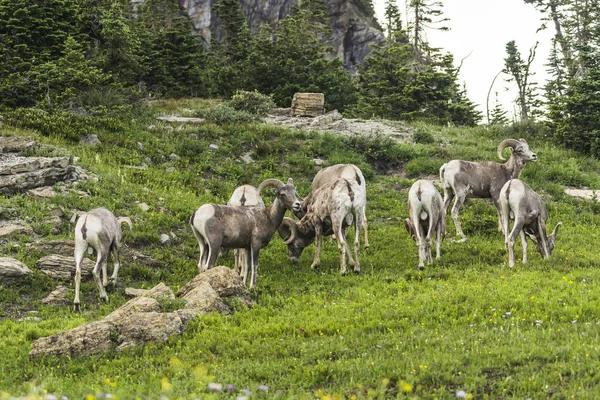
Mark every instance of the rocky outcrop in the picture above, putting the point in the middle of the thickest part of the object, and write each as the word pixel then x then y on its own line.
pixel 63 267
pixel 12 270
pixel 353 31
pixel 19 173
pixel 159 291
pixel 308 104
pixel 140 321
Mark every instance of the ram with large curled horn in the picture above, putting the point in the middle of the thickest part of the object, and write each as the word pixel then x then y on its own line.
pixel 462 179
pixel 242 227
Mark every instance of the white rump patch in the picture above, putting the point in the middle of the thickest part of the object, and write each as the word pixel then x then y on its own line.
pixel 203 214
pixel 424 215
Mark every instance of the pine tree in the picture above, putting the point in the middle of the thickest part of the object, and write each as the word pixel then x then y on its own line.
pixel 498 115
pixel 520 73
pixel 426 15
pixel 174 57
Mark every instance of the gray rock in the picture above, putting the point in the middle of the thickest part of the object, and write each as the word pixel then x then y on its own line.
pixel 15 144
pixel 63 267
pixel 90 140
pixel 57 297
pixel 8 230
pixel 178 119
pixel 148 160
pixel 319 162
pixel 144 206
pixel 136 305
pixel 140 146
pixel 87 339
pixel 171 169
pixel 164 238
pixel 247 158
pixel 159 291
pixel 225 281
pixel 62 247
pixel 12 270
pixel 174 157
pixel 202 297
pixel 213 147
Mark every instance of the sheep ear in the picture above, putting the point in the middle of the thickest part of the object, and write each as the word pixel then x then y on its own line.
pixel 522 140
pixel 511 149
pixel 290 182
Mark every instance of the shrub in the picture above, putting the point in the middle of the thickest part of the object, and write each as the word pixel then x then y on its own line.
pixel 423 137
pixel 423 166
pixel 60 124
pixel 225 114
pixel 251 102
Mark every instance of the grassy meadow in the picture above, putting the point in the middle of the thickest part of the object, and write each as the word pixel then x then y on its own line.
pixel 467 326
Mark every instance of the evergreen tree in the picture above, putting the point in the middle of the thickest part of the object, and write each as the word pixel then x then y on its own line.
pixel 298 60
pixel 66 82
pixel 498 115
pixel 520 72
pixel 174 56
pixel 426 15
pixel 32 32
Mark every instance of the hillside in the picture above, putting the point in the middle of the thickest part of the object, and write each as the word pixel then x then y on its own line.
pixel 466 326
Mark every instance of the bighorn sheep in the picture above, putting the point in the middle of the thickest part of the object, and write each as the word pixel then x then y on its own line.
pixel 519 202
pixel 100 230
pixel 245 195
pixel 482 180
pixel 426 216
pixel 250 228
pixel 341 202
pixel 332 173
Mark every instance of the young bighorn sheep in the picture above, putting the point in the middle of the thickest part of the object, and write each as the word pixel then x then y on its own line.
pixel 340 202
pixel 330 174
pixel 305 233
pixel 426 216
pixel 519 202
pixel 100 230
pixel 245 195
pixel 250 228
pixel 484 179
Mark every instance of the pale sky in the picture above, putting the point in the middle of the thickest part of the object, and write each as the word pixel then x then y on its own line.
pixel 482 28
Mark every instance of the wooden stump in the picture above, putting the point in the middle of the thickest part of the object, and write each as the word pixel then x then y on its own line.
pixel 308 104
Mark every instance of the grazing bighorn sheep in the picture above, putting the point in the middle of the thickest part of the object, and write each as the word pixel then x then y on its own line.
pixel 521 203
pixel 305 234
pixel 250 228
pixel 245 195
pixel 100 230
pixel 341 202
pixel 483 180
pixel 330 174
pixel 426 216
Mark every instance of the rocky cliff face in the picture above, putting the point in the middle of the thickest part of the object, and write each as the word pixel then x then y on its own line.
pixel 354 32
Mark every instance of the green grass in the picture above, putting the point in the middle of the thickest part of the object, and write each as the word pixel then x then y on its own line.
pixel 467 322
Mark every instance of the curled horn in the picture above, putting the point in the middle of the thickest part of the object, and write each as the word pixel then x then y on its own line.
pixel 553 234
pixel 293 229
pixel 269 182
pixel 120 220
pixel 506 143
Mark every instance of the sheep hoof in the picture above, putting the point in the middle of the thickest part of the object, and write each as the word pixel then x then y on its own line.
pixel 76 307
pixel 315 266
pixel 357 271
pixel 421 267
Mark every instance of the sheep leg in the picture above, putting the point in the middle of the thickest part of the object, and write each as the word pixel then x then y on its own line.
pixel 246 267
pixel 116 263
pixel 429 237
pixel 342 245
pixel 524 243
pixel 365 229
pixel 448 196
pixel 80 250
pixel 202 246
pixel 105 272
pixel 497 204
pixel 510 241
pixel 254 249
pixel 438 241
pixel 460 199
pixel 100 264
pixel 543 239
pixel 318 242
pixel 213 252
pixel 358 224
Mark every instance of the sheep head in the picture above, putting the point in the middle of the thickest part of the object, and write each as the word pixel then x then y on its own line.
pixel 538 243
pixel 286 193
pixel 518 148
